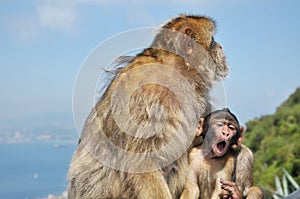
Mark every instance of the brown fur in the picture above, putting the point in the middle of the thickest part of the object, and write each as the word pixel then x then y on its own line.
pixel 244 174
pixel 185 61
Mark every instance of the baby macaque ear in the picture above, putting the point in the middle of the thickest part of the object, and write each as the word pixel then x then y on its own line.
pixel 200 127
pixel 240 140
pixel 242 129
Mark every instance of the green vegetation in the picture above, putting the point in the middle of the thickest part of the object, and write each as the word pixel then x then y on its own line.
pixel 275 141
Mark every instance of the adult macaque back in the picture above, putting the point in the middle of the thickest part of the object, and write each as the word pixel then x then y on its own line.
pixel 221 167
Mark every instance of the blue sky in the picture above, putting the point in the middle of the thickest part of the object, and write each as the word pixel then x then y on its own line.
pixel 44 43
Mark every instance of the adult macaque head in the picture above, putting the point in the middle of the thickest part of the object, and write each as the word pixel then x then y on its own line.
pixel 220 130
pixel 192 38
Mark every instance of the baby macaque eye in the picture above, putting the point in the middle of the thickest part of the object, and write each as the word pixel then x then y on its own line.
pixel 220 124
pixel 231 127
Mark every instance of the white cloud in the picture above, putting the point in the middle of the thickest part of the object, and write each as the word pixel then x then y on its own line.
pixel 61 15
pixel 22 27
pixel 48 14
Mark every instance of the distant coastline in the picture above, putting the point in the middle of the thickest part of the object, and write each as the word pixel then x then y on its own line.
pixel 57 128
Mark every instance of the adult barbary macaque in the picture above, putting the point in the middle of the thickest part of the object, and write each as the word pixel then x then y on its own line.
pixel 221 167
pixel 144 120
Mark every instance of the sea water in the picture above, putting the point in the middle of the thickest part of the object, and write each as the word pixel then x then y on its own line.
pixel 34 170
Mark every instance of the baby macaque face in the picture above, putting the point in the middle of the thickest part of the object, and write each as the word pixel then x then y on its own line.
pixel 223 131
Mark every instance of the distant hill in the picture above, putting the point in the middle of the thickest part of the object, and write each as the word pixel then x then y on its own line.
pixel 275 141
pixel 58 127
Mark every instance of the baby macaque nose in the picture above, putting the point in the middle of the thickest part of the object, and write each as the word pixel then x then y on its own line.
pixel 225 133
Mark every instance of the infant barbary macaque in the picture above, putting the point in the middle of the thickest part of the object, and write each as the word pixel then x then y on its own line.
pixel 221 167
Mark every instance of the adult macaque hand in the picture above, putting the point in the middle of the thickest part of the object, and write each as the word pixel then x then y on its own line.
pixel 232 189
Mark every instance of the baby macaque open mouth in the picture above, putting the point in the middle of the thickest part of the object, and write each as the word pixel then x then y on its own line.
pixel 221 146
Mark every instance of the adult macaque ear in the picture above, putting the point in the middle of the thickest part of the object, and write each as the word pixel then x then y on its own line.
pixel 187 44
pixel 188 31
pixel 241 138
pixel 200 127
